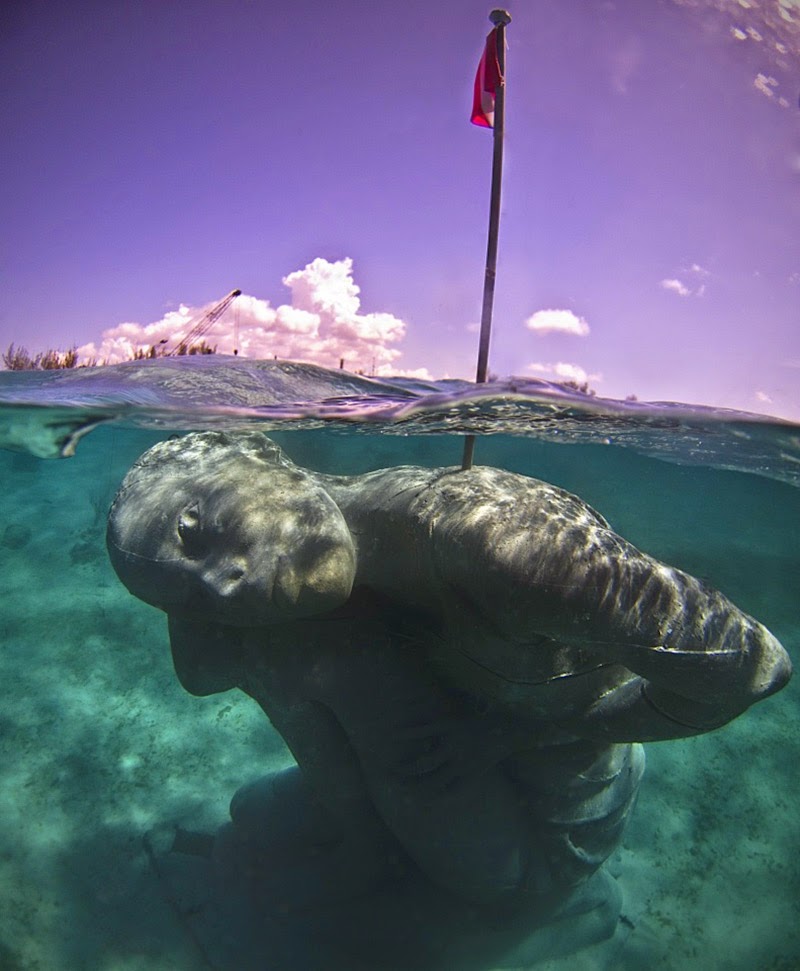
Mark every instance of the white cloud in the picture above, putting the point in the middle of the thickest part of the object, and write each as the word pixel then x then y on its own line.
pixel 564 371
pixel 321 325
pixel 557 321
pixel 676 286
pixel 763 397
pixel 697 275
pixel 421 373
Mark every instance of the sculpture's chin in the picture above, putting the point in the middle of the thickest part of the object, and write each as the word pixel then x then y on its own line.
pixel 207 656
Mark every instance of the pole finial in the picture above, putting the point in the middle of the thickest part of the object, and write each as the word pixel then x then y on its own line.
pixel 499 17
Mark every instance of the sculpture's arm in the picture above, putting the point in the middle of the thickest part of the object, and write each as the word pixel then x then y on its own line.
pixel 546 564
pixel 637 710
pixel 696 661
pixel 211 657
pixel 516 560
pixel 322 750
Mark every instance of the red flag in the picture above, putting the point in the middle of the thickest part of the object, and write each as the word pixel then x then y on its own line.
pixel 487 81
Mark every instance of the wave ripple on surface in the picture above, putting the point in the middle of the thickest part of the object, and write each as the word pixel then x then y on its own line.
pixel 47 412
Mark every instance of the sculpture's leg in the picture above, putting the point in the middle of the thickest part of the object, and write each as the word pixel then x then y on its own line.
pixel 304 678
pixel 466 827
pixel 293 852
pixel 370 729
pixel 295 816
pixel 308 837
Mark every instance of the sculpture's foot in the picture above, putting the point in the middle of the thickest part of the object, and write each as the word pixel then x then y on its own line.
pixel 414 926
pixel 407 924
pixel 283 863
pixel 292 855
pixel 589 917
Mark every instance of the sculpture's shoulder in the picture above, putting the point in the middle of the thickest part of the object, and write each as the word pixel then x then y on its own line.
pixel 481 498
pixel 494 498
pixel 496 530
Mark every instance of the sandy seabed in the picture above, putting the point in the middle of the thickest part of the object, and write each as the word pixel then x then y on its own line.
pixel 100 745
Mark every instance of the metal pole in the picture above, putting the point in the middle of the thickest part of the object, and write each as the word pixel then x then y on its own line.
pixel 500 19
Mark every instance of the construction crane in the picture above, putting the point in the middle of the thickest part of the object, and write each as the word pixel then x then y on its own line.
pixel 202 327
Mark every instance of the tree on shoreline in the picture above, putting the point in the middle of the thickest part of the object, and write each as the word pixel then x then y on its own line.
pixel 18 359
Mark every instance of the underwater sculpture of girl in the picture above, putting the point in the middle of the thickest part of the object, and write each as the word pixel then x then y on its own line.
pixel 461 663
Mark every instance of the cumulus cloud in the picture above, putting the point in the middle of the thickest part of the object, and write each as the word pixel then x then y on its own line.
pixel 322 324
pixel 564 371
pixel 696 286
pixel 557 322
pixel 420 373
pixel 676 286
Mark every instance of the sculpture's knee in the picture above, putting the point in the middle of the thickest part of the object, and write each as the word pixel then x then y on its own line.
pixel 279 809
pixel 493 872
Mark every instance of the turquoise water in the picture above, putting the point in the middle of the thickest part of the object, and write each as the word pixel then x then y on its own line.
pixel 102 749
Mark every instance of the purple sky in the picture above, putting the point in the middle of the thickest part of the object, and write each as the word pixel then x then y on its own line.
pixel 160 154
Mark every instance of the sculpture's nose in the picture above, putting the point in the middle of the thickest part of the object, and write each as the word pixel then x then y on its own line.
pixel 225 580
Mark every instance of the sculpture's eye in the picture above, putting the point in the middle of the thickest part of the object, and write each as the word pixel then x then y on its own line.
pixel 189 529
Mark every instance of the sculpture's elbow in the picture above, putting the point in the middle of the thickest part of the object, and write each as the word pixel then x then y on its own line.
pixel 762 669
pixel 749 670
pixel 772 666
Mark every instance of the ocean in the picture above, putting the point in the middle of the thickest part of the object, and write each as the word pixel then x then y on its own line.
pixel 105 757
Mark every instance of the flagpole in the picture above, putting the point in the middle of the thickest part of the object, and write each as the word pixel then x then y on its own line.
pixel 500 19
